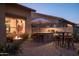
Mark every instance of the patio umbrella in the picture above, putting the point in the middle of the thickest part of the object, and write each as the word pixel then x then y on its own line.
pixel 40 20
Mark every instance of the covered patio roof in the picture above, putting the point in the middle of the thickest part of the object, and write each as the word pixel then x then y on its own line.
pixel 67 21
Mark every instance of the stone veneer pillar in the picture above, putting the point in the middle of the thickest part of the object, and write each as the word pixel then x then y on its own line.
pixel 28 25
pixel 2 24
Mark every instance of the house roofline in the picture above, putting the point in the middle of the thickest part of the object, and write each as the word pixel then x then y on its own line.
pixel 21 6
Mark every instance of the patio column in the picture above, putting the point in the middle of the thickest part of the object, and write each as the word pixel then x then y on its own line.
pixel 28 25
pixel 2 25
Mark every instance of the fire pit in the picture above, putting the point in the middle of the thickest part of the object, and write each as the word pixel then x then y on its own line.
pixel 17 38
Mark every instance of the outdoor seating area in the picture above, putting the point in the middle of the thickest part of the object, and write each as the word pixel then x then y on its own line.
pixel 42 37
pixel 63 39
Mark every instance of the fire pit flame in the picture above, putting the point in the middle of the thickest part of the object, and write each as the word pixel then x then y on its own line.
pixel 17 38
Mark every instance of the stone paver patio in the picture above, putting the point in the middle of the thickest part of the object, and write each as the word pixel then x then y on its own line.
pixel 29 48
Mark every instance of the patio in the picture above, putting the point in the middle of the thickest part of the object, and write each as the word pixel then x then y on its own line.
pixel 29 48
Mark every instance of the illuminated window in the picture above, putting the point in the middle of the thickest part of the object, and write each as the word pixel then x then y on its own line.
pixel 69 25
pixel 7 28
pixel 10 24
pixel 15 25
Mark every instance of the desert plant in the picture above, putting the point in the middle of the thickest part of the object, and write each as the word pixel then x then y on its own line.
pixel 12 49
pixel 3 49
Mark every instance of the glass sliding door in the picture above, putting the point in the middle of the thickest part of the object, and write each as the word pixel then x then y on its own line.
pixel 14 26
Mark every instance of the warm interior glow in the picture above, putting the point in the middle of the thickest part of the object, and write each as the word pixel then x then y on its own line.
pixel 49 30
pixel 15 26
pixel 69 25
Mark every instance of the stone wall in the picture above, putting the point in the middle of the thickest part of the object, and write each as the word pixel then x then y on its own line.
pixel 2 24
